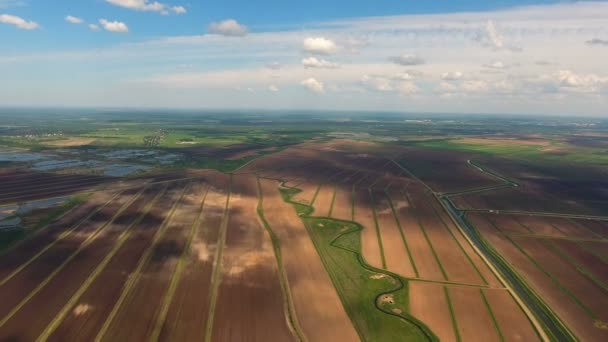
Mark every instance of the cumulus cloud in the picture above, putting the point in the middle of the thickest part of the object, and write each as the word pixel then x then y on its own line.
pixel 451 76
pixel 407 60
pixel 179 9
pixel 408 88
pixel 314 62
pixel 18 22
pixel 148 6
pixel 229 28
pixel 274 66
pixel 73 20
pixel 580 82
pixel 597 41
pixel 313 85
pixel 114 26
pixel 407 75
pixel 319 45
pixel 354 44
pixel 376 82
pixel 495 65
pixel 273 88
pixel 93 27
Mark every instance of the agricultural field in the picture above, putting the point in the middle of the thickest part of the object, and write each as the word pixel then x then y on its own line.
pixel 233 227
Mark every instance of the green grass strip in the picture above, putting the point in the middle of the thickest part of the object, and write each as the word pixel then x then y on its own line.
pixel 459 245
pixel 54 216
pixel 399 283
pixel 53 243
pixel 426 237
pixel 452 314
pixel 216 278
pixel 407 247
pixel 551 277
pixel 333 200
pixel 48 331
pixel 177 274
pixel 494 320
pixel 545 312
pixel 289 306
pixel 378 234
pixel 135 276
pixel 51 276
pixel 581 269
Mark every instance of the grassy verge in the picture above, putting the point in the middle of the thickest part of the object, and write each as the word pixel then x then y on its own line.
pixel 216 278
pixel 376 300
pixel 491 313
pixel 552 325
pixel 452 313
pixel 276 245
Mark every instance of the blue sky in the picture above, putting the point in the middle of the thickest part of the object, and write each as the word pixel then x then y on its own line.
pixel 465 56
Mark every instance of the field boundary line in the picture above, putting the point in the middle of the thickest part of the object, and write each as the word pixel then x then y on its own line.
pixel 60 317
pixel 584 227
pixel 547 273
pixel 177 274
pixel 15 244
pixel 426 237
pixel 333 200
pixel 551 237
pixel 545 311
pixel 591 251
pixel 136 274
pixel 407 248
pixel 361 261
pixel 216 276
pixel 288 304
pixel 580 268
pixel 446 293
pixel 491 313
pixel 483 279
pixel 378 234
pixel 59 268
pixel 454 283
pixel 62 236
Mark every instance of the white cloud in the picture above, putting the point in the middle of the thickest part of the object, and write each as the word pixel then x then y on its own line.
pixel 313 85
pixel 273 88
pixel 18 22
pixel 93 27
pixel 375 82
pixel 274 66
pixel 179 9
pixel 319 45
pixel 407 75
pixel 580 82
pixel 451 76
pixel 73 20
pixel 229 27
pixel 597 41
pixel 495 65
pixel 314 62
pixel 114 26
pixel 407 60
pixel 408 88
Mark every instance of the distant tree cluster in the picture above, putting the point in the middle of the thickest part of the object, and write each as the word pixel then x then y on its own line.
pixel 156 139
